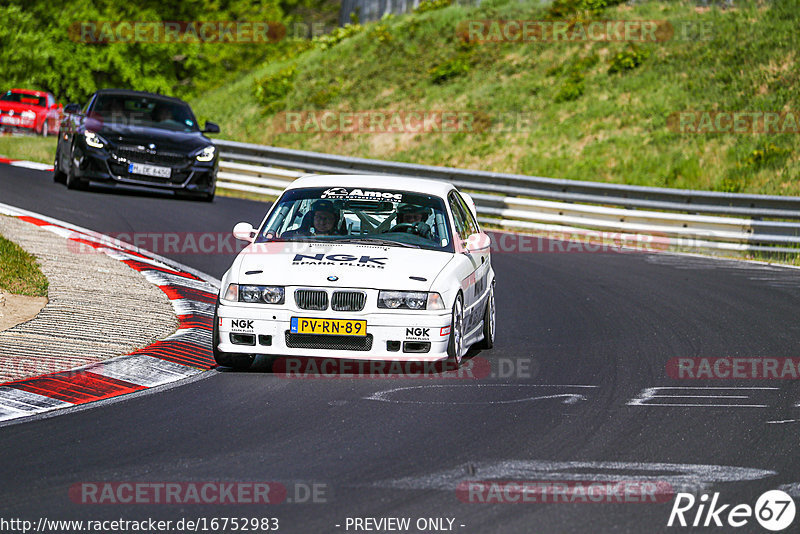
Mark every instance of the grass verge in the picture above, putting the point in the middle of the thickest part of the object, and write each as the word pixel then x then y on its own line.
pixel 588 110
pixel 38 149
pixel 19 272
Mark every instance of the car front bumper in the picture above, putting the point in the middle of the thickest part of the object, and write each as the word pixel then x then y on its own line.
pixel 98 166
pixel 414 332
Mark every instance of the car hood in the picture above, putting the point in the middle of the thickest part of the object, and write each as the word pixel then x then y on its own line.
pixel 354 265
pixel 142 135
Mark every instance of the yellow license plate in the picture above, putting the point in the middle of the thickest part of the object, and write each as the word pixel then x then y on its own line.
pixel 329 327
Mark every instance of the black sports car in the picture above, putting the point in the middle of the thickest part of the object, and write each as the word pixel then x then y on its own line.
pixel 132 138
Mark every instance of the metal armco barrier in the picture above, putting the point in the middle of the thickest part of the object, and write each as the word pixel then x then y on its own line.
pixel 690 219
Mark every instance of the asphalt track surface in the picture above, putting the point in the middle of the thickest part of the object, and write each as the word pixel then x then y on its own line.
pixel 608 320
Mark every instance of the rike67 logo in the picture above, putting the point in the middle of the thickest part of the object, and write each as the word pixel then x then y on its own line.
pixel 774 510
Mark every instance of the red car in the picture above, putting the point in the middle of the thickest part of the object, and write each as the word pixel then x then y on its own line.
pixel 32 111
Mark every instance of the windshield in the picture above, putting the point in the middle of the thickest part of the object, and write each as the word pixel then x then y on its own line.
pixel 23 98
pixel 144 111
pixel 383 216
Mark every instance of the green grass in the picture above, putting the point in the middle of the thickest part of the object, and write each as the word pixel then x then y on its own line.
pixel 19 272
pixel 247 195
pixel 587 121
pixel 39 149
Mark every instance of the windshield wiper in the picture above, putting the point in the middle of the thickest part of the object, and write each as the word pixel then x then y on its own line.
pixel 374 240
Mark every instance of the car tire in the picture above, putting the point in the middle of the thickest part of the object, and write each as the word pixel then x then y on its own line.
pixel 71 180
pixel 488 322
pixel 240 362
pixel 455 347
pixel 58 174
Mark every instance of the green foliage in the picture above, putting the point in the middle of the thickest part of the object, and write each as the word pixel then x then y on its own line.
pixel 627 59
pixel 432 5
pixel 380 33
pixel 573 84
pixel 767 156
pixel 446 71
pixel 571 89
pixel 567 8
pixel 49 45
pixel 327 41
pixel 273 88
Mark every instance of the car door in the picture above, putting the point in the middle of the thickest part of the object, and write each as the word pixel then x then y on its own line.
pixel 480 251
pixel 468 262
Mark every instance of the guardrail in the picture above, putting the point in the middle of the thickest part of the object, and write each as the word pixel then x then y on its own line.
pixel 690 219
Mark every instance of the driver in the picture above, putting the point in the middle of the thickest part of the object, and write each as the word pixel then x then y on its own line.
pixel 411 214
pixel 325 217
pixel 414 216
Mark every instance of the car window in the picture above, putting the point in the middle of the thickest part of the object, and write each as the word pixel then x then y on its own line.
pixel 23 98
pixel 459 217
pixel 136 110
pixel 388 216
pixel 469 220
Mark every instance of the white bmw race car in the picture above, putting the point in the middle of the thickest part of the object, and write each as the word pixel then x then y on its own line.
pixel 359 267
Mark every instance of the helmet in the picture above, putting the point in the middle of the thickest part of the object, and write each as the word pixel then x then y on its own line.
pixel 406 208
pixel 324 205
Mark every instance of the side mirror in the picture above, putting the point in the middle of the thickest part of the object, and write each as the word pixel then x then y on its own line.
pixel 72 109
pixel 478 242
pixel 211 127
pixel 244 231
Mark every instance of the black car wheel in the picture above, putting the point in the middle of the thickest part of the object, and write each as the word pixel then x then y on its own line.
pixel 456 344
pixel 488 322
pixel 72 181
pixel 58 174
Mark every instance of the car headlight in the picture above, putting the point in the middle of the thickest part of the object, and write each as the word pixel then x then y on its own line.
pixel 28 114
pixel 254 294
pixel 207 154
pixel 94 140
pixel 410 300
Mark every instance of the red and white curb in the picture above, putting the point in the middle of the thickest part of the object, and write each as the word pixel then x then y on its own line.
pixel 183 354
pixel 27 164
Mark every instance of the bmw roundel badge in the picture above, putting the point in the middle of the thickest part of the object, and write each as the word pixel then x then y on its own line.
pixel 333 278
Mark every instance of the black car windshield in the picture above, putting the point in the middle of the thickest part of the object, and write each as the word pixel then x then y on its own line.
pixel 383 216
pixel 152 112
pixel 23 98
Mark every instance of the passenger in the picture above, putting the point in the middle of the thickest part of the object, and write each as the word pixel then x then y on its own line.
pixel 321 219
